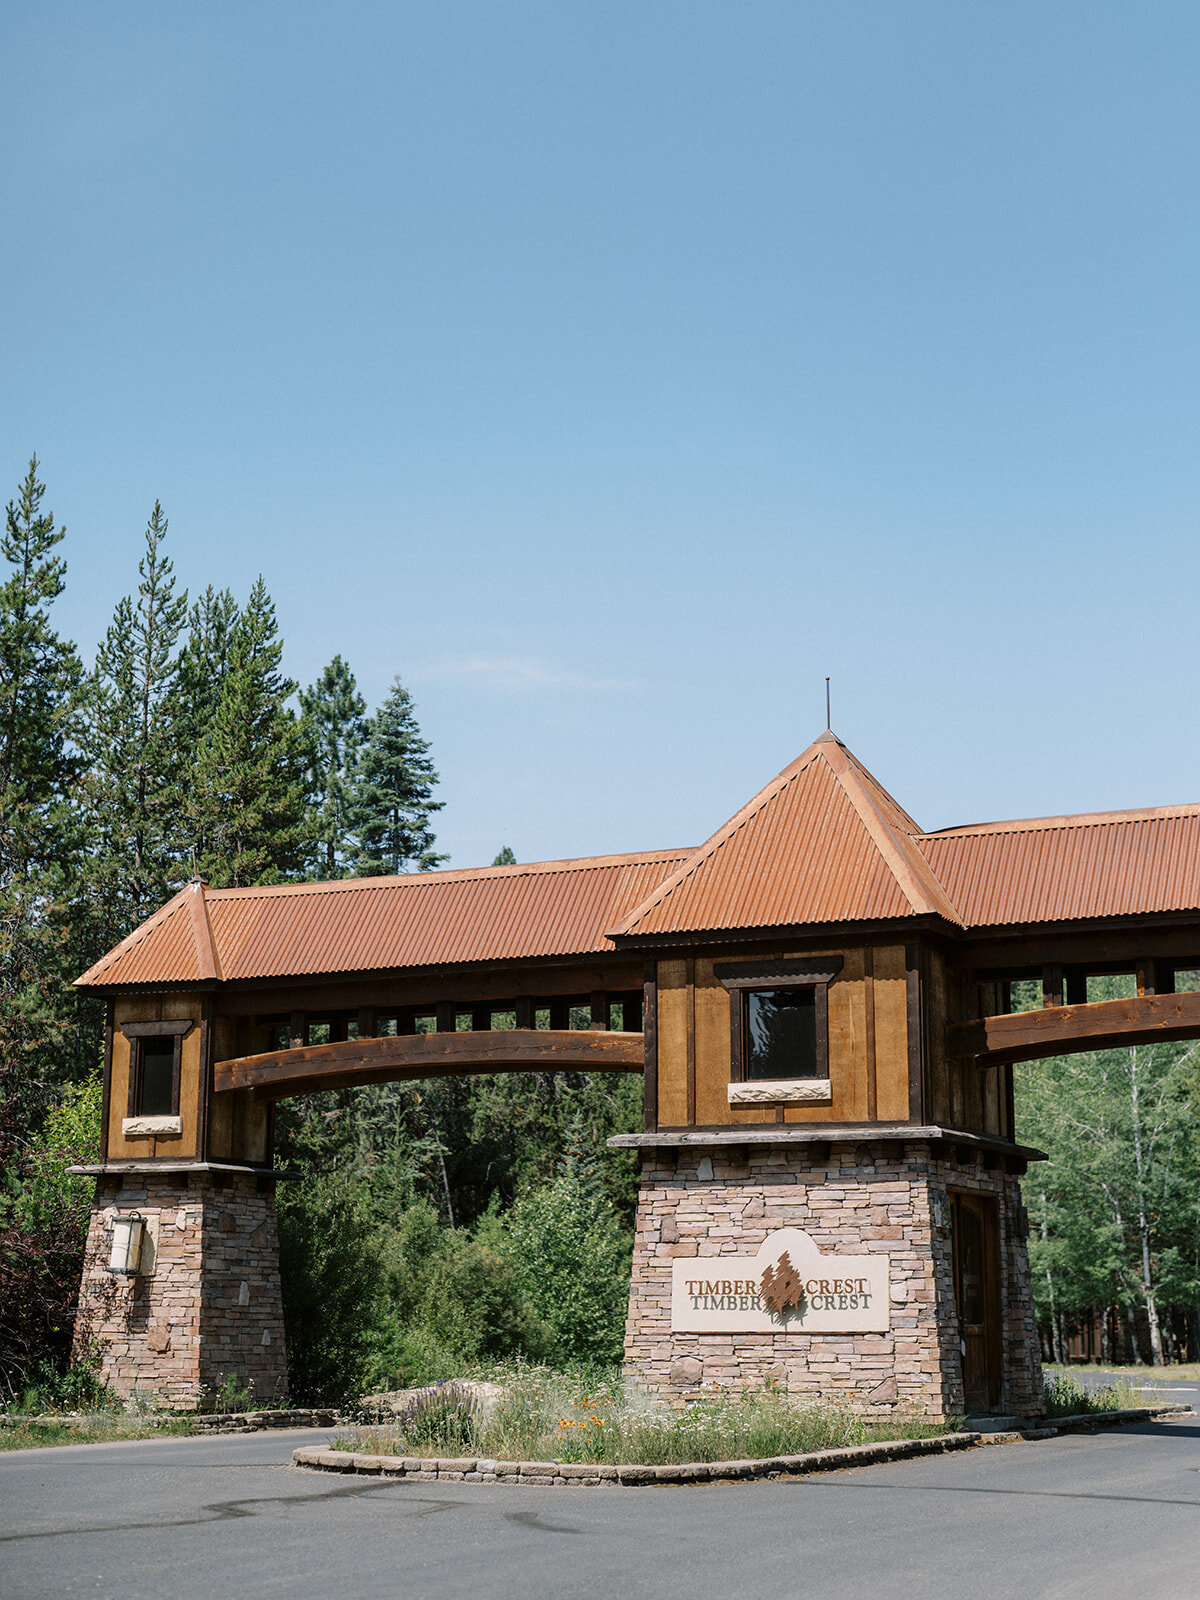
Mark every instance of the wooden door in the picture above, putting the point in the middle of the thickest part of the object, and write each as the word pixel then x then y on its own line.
pixel 977 1291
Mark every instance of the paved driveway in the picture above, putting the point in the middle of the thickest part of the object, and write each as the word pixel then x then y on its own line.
pixel 1111 1515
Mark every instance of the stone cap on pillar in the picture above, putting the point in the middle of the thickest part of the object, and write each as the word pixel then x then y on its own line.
pixel 109 1169
pixel 824 1133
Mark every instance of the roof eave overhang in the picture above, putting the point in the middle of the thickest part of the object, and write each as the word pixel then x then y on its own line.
pixel 901 927
pixel 600 958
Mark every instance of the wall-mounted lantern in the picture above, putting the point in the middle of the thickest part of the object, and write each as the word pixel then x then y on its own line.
pixel 129 1230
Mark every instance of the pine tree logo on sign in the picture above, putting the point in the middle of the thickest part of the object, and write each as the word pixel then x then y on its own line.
pixel 782 1287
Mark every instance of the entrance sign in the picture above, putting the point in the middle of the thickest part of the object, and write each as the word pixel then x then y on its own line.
pixel 787 1286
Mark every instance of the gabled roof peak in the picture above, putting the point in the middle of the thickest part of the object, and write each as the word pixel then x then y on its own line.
pixel 822 842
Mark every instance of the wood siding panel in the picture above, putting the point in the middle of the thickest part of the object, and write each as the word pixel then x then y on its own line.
pixel 220 1112
pixel 939 1080
pixel 712 1001
pixel 847 1048
pixel 119 1147
pixel 674 1004
pixel 154 1008
pixel 891 1035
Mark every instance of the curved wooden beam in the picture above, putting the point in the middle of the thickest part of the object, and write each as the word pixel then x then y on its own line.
pixel 310 1067
pixel 1066 1030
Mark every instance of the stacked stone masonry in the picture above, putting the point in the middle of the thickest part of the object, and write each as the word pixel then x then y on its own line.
pixel 866 1199
pixel 209 1310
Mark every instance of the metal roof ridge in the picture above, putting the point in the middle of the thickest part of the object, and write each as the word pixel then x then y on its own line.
pixel 631 858
pixel 726 831
pixel 207 962
pixel 132 940
pixel 1076 819
pixel 896 857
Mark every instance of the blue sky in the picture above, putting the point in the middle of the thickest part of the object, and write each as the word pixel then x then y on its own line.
pixel 614 372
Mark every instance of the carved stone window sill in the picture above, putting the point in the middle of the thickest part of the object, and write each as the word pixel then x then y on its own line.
pixel 147 1126
pixel 782 1091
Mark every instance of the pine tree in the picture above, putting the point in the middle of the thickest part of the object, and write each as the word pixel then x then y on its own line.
pixel 192 704
pixel 134 754
pixel 39 683
pixel 39 833
pixel 393 799
pixel 244 804
pixel 505 858
pixel 335 715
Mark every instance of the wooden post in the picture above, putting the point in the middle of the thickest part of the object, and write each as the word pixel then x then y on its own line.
pixel 650 1046
pixel 1077 988
pixel 914 1004
pixel 869 1029
pixel 1052 986
pixel 447 1017
pixel 689 979
pixel 600 1010
pixel 298 1030
pixel 107 1089
pixel 1147 975
pixel 368 1022
pixel 524 1009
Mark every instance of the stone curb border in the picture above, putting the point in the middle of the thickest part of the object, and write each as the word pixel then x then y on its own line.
pixel 210 1422
pixel 580 1475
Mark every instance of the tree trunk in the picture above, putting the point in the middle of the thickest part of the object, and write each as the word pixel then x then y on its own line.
pixel 1055 1331
pixel 1156 1345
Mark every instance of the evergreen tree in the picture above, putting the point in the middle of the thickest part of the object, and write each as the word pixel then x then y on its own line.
pixel 393 799
pixel 193 702
pixel 244 805
pixel 334 713
pixel 134 755
pixel 39 682
pixel 40 841
pixel 505 858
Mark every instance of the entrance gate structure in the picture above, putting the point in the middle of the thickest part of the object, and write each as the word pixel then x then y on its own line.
pixel 819 998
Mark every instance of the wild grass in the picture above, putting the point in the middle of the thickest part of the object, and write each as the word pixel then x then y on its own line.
pixel 28 1433
pixel 1067 1396
pixel 547 1416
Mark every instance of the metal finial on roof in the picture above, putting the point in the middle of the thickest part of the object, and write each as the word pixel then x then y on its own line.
pixel 828 719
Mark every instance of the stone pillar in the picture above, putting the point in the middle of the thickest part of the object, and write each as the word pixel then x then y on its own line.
pixel 207 1306
pixel 869 1199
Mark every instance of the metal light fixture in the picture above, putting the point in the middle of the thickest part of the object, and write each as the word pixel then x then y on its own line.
pixel 129 1230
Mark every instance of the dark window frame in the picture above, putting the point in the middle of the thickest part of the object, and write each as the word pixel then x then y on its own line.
pixel 137 1033
pixel 742 977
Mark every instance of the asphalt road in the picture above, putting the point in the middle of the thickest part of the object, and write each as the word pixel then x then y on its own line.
pixel 1110 1515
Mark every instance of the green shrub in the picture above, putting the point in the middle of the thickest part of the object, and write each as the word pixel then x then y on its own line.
pixel 573 1260
pixel 451 1300
pixel 331 1279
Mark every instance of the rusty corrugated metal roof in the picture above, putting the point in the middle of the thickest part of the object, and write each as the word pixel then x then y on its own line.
pixel 823 842
pixel 1059 869
pixel 549 908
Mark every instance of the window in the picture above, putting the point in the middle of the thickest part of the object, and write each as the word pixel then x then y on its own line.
pixel 155 1053
pixel 780 1027
pixel 780 1034
pixel 155 1094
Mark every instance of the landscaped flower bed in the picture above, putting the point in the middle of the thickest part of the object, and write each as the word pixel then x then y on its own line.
pixel 546 1417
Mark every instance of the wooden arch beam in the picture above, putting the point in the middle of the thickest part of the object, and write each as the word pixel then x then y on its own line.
pixel 310 1067
pixel 1066 1030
